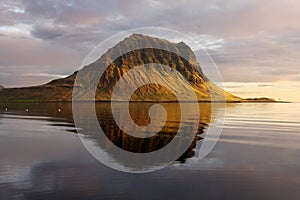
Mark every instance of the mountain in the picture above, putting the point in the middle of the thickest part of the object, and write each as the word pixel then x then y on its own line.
pixel 61 89
pixel 1 87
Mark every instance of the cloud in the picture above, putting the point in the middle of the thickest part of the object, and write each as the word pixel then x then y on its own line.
pixel 44 75
pixel 258 39
pixel 47 32
pixel 4 74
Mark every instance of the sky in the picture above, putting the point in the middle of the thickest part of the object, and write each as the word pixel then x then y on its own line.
pixel 254 43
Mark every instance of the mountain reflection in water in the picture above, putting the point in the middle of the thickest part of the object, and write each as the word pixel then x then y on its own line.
pixel 60 114
pixel 256 157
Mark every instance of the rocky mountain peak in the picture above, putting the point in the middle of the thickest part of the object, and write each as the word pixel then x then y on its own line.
pixel 135 50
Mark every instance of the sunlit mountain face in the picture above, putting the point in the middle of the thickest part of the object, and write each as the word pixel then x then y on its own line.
pixel 188 72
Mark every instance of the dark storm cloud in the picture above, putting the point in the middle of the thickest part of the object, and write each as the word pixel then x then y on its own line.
pixel 257 39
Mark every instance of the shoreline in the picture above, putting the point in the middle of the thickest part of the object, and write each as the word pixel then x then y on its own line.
pixel 135 101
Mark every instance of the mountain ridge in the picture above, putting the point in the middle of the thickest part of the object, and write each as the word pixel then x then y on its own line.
pixel 162 53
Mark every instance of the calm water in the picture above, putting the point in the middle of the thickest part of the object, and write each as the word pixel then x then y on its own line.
pixel 257 156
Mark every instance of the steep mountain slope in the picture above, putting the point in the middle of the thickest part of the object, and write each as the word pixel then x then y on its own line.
pixel 164 52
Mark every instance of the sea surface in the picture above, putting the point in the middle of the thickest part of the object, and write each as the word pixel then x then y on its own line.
pixel 256 157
